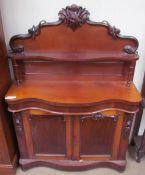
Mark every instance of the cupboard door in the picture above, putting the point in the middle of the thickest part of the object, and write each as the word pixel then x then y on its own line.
pixel 99 136
pixel 45 135
pixel 48 134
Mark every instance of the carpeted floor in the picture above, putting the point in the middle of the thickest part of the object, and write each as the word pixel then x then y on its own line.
pixel 133 168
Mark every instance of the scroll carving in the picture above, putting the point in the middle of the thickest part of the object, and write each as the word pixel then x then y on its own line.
pixel 32 33
pixel 35 30
pixel 18 123
pixel 113 31
pixel 128 49
pixel 99 116
pixel 74 16
pixel 127 125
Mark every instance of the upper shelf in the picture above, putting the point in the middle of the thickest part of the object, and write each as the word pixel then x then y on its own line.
pixel 74 33
pixel 74 56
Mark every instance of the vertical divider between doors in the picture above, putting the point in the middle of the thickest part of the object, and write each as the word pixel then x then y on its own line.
pixel 76 138
pixel 68 137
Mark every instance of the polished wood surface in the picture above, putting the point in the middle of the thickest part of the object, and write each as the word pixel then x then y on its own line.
pixel 90 41
pixel 39 136
pixel 8 157
pixel 73 99
pixel 85 92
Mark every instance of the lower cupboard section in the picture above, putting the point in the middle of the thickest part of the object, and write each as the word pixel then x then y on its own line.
pixel 59 140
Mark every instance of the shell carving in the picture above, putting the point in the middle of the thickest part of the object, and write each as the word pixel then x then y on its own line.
pixel 74 16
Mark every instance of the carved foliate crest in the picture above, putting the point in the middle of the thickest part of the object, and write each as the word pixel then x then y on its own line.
pixel 74 16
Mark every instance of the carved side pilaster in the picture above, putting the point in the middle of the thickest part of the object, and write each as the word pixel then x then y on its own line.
pixel 18 123
pixel 127 125
pixel 20 133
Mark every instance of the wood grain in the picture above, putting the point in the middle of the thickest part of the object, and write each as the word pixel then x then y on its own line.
pixel 74 77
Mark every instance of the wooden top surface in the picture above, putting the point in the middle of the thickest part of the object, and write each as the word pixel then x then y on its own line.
pixel 73 92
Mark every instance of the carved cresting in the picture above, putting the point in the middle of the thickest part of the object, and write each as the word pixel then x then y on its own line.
pixel 74 16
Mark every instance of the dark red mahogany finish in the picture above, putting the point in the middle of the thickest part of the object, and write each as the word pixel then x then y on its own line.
pixel 73 99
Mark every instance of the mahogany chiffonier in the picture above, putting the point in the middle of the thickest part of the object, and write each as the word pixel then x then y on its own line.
pixel 8 149
pixel 73 99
